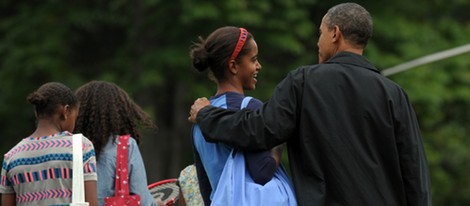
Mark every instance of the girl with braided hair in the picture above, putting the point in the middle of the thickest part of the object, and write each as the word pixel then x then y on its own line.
pixel 38 170
pixel 107 111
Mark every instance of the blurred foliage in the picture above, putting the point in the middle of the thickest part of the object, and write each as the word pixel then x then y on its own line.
pixel 143 46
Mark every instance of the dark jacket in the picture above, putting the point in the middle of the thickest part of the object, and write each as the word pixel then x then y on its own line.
pixel 351 133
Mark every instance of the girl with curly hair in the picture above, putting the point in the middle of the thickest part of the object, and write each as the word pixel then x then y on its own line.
pixel 106 112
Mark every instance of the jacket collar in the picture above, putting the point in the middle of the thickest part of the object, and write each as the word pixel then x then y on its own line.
pixel 352 59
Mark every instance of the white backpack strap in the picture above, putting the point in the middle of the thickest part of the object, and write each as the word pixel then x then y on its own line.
pixel 245 102
pixel 78 185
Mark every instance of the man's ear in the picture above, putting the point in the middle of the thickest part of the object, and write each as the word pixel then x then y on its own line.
pixel 232 67
pixel 336 33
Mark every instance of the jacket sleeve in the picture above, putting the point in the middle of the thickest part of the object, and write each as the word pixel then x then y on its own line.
pixel 262 129
pixel 412 155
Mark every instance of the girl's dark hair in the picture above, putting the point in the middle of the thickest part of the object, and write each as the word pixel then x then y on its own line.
pixel 50 96
pixel 214 52
pixel 105 110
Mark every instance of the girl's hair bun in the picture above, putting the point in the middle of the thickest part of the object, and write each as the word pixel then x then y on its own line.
pixel 37 100
pixel 199 56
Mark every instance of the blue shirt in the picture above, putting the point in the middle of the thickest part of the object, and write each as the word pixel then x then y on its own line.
pixel 214 155
pixel 137 176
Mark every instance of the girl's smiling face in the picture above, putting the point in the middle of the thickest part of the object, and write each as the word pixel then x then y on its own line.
pixel 249 67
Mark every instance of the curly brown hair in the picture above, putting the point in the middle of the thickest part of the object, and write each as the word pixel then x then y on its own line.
pixel 107 110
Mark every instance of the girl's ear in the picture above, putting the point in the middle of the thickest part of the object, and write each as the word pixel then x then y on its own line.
pixel 65 111
pixel 232 67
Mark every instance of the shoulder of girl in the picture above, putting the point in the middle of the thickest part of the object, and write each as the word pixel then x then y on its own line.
pixel 254 103
pixel 87 142
pixel 132 141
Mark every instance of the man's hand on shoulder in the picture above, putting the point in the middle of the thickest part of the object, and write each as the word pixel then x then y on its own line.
pixel 197 105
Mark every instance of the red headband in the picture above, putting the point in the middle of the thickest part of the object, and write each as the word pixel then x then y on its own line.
pixel 240 43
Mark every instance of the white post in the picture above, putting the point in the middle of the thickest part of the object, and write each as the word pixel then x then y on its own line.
pixel 427 59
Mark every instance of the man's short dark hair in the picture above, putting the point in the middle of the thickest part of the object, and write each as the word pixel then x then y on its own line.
pixel 353 20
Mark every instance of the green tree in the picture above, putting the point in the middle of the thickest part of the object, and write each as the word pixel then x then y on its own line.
pixel 143 46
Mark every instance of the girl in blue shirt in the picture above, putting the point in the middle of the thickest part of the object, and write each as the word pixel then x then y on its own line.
pixel 231 55
pixel 107 111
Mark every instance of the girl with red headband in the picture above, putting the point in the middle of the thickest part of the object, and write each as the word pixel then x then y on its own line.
pixel 231 56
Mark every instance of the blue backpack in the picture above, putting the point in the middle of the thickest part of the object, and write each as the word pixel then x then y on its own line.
pixel 236 187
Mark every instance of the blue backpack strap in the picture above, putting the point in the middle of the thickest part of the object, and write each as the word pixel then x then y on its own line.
pixel 245 102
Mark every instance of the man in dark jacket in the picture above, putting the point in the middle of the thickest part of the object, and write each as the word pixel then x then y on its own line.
pixel 351 133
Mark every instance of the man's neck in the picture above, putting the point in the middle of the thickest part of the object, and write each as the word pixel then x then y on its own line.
pixel 350 48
